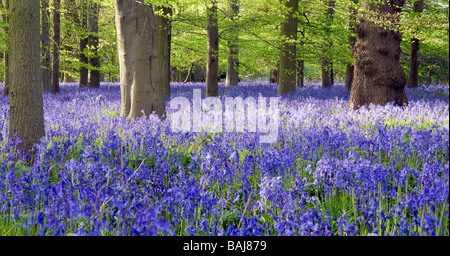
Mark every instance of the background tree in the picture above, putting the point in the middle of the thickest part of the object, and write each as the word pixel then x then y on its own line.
pixel 353 11
pixel 212 62
pixel 287 75
pixel 26 114
pixel 413 78
pixel 163 25
pixel 327 65
pixel 45 46
pixel 378 76
pixel 232 76
pixel 93 45
pixel 4 6
pixel 56 45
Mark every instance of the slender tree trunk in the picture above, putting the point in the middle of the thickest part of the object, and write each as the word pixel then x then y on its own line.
pixel 45 40
pixel 413 78
pixel 300 73
pixel 212 60
pixel 6 54
pixel 164 28
pixel 287 76
pixel 26 114
pixel 138 56
pixel 352 40
pixel 82 44
pixel 188 76
pixel 274 75
pixel 327 67
pixel 378 76
pixel 93 40
pixel 232 77
pixel 56 44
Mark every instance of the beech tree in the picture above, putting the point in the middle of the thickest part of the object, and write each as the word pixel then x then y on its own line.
pixel 413 78
pixel 26 114
pixel 352 40
pixel 140 78
pixel 45 41
pixel 56 44
pixel 326 65
pixel 287 74
pixel 212 62
pixel 378 75
pixel 164 29
pixel 93 44
pixel 232 76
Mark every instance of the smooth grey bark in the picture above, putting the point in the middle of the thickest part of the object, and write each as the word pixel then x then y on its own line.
pixel 140 79
pixel 287 81
pixel 212 60
pixel 378 77
pixel 56 44
pixel 26 114
pixel 232 76
pixel 93 41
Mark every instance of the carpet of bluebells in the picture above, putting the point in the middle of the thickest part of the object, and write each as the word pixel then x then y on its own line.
pixel 379 170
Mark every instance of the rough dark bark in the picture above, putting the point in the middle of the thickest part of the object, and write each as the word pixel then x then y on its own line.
pixel 300 73
pixel 138 57
pixel 212 60
pixel 413 78
pixel 93 40
pixel 287 76
pixel 327 66
pixel 352 40
pixel 56 43
pixel 232 76
pixel 274 76
pixel 378 76
pixel 45 41
pixel 164 28
pixel 82 45
pixel 26 114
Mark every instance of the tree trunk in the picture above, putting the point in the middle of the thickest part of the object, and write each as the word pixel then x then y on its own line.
pixel 378 76
pixel 352 40
pixel 56 43
pixel 94 62
pixel 6 55
pixel 232 76
pixel 45 40
pixel 138 56
pixel 212 60
pixel 300 73
pixel 188 76
pixel 413 78
pixel 287 76
pixel 274 76
pixel 327 67
pixel 26 114
pixel 164 28
pixel 82 44
pixel 124 18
